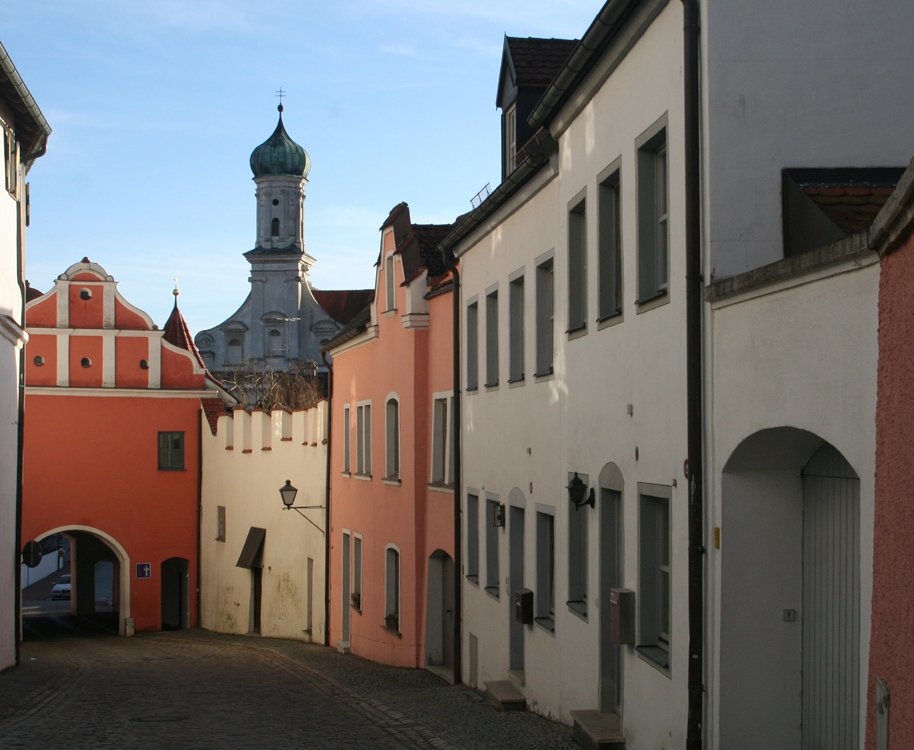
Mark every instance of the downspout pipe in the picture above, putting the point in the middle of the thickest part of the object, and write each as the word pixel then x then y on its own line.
pixel 327 501
pixel 20 427
pixel 694 383
pixel 451 264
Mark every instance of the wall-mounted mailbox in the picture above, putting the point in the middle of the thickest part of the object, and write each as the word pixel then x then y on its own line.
pixel 523 606
pixel 622 616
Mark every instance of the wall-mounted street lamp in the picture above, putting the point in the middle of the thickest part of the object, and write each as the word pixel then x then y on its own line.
pixel 288 493
pixel 576 492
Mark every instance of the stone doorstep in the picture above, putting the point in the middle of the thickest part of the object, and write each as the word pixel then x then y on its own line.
pixel 504 696
pixel 595 729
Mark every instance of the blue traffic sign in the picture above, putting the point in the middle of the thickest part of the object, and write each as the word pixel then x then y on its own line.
pixel 144 570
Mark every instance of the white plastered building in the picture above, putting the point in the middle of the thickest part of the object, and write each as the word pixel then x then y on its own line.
pixel 25 134
pixel 573 360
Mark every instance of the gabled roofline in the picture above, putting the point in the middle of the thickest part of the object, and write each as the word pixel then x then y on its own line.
pixel 603 29
pixel 27 106
pixel 895 222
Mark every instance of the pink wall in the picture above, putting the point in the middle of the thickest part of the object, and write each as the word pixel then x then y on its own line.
pixel 413 363
pixel 891 656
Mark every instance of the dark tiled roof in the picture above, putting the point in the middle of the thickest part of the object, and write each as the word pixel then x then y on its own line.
pixel 31 292
pixel 177 333
pixel 343 304
pixel 537 61
pixel 420 247
pixel 850 197
pixel 353 327
pixel 852 209
pixel 213 408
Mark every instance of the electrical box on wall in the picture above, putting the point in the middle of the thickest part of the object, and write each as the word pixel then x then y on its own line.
pixel 622 616
pixel 523 606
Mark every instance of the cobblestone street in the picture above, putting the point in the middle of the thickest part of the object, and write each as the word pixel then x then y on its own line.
pixel 195 689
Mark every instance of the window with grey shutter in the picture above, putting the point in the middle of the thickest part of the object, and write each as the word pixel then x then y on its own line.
pixel 545 317
pixel 472 346
pixel 577 267
pixel 610 247
pixel 653 224
pixel 472 537
pixel 654 575
pixel 492 338
pixel 516 329
pixel 491 546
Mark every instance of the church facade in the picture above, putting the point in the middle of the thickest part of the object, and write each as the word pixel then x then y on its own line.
pixel 283 323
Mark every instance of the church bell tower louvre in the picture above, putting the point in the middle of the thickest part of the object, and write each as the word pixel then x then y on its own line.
pixel 281 326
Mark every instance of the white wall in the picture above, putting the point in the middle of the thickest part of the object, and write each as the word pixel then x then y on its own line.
pixel 247 485
pixel 530 436
pixel 800 354
pixel 819 83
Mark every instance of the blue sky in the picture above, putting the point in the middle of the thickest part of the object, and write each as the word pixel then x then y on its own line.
pixel 157 105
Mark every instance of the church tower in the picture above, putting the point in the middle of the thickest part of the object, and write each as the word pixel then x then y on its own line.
pixel 281 325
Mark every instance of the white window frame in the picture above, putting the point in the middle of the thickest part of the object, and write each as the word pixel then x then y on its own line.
pixel 609 243
pixel 392 438
pixel 546 582
pixel 391 283
pixel 577 265
pixel 363 438
pixel 347 440
pixel 578 529
pixel 516 328
pixel 545 314
pixel 472 339
pixel 510 139
pixel 492 336
pixel 472 532
pixel 357 554
pixel 442 463
pixel 653 214
pixel 492 553
pixel 393 571
pixel 655 574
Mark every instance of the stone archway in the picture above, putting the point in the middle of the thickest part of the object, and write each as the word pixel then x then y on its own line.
pixel 94 545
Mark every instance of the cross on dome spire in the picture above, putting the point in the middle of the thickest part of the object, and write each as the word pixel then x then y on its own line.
pixel 280 94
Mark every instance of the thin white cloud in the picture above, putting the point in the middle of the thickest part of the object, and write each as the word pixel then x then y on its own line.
pixel 404 50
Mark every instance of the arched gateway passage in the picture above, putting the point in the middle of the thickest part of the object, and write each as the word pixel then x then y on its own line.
pixel 790 595
pixel 100 573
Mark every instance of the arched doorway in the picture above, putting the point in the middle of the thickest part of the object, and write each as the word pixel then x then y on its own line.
pixel 175 574
pixel 99 572
pixel 790 595
pixel 439 618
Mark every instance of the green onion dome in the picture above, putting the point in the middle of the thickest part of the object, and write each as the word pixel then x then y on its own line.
pixel 279 154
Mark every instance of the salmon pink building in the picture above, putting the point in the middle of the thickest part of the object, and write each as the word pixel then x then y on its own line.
pixel 392 572
pixel 114 413
pixel 890 709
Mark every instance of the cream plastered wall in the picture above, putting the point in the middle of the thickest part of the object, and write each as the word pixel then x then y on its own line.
pixel 529 437
pixel 244 466
pixel 802 354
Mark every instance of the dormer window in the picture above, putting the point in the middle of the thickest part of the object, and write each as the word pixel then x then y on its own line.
pixel 274 232
pixel 510 139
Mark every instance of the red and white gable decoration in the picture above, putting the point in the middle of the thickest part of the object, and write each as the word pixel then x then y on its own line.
pixel 84 334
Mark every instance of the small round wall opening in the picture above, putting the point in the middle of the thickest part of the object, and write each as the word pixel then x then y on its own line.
pixel 39 361
pixel 86 362
pixel 144 365
pixel 276 201
pixel 85 293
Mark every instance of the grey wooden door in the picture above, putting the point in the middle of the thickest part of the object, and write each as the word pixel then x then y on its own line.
pixel 831 603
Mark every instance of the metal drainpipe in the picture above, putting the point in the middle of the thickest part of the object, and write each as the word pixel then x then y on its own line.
pixel 327 503
pixel 451 264
pixel 694 405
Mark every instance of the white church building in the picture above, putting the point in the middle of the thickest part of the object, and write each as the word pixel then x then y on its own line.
pixel 284 321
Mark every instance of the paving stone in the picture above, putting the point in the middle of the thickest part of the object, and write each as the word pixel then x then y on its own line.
pixel 206 691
